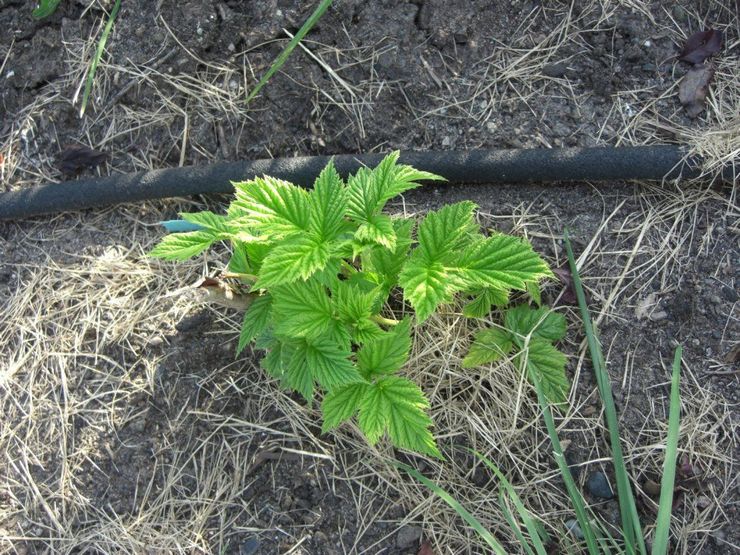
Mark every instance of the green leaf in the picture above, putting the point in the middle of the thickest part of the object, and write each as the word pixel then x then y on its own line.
pixel 215 223
pixel 256 254
pixel 341 404
pixel 275 208
pixel 45 8
pixel 272 362
pixel 426 278
pixel 302 309
pixel 443 233
pixel 398 406
pixel 239 264
pixel 389 263
pixel 329 363
pixel 377 229
pixel 425 286
pixel 533 289
pixel 181 246
pixel 297 257
pixel 481 305
pixel 501 262
pixel 370 190
pixel 298 375
pixel 328 202
pixel 540 322
pixel 388 353
pixel 549 365
pixel 355 307
pixel 489 345
pixel 255 321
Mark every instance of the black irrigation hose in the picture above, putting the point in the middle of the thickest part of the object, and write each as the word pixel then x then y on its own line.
pixel 477 166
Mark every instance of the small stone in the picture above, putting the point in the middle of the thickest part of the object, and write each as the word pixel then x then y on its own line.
pixel 598 486
pixel 652 488
pixel 554 70
pixel 231 47
pixel 249 546
pixel 715 299
pixel 573 527
pixel 408 536
pixel 446 142
pixel 729 293
pixel 658 315
pixel 703 502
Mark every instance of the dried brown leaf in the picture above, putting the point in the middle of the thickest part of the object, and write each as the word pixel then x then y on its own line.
pixel 701 45
pixel 74 158
pixel 426 548
pixel 692 92
pixel 569 292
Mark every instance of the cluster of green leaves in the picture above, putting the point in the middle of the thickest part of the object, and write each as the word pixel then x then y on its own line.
pixel 530 334
pixel 323 265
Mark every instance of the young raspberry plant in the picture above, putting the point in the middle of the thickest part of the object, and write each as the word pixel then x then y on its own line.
pixel 328 271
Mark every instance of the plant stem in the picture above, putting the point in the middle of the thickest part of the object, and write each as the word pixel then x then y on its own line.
pixel 245 277
pixel 378 319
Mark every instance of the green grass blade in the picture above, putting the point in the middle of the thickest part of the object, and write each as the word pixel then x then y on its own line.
pixel 526 517
pixel 576 499
pixel 281 59
pixel 631 527
pixel 98 54
pixel 474 523
pixel 663 523
pixel 513 524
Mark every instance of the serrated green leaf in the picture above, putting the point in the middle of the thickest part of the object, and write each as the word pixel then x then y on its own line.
pixel 239 264
pixel 272 362
pixel 297 375
pixel 549 364
pixel 389 263
pixel 489 345
pixel 355 307
pixel 377 229
pixel 481 304
pixel 426 277
pixel 501 262
pixel 444 232
pixel 274 207
pixel 301 309
pixel 255 321
pixel 540 322
pixel 398 406
pixel 369 191
pixel 533 290
pixel 341 404
pixel 181 246
pixel 386 354
pixel 217 224
pixel 329 363
pixel 297 257
pixel 328 202
pixel 256 254
pixel 425 285
pixel 351 302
